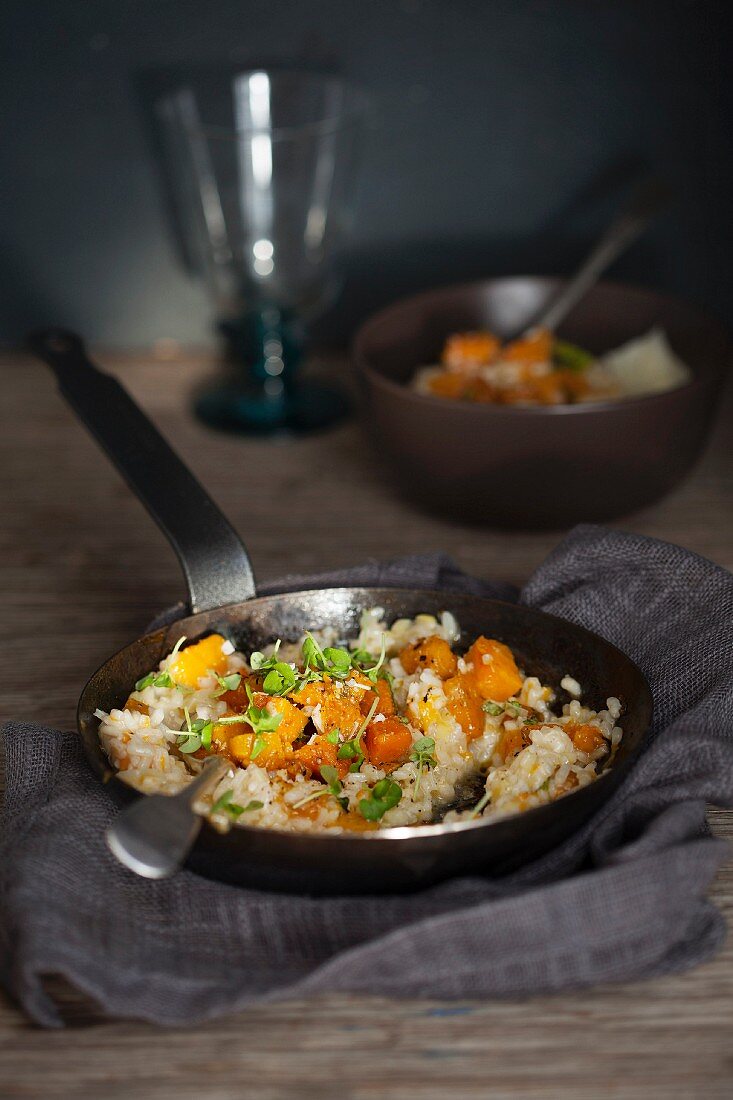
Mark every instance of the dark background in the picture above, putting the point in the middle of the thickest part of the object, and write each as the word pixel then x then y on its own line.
pixel 503 134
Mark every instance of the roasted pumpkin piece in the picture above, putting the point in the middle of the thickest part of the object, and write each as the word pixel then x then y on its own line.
pixel 292 719
pixel 574 384
pixel 310 695
pixel 237 699
pixel 469 349
pixel 386 703
pixel 381 693
pixel 464 703
pixel 387 742
pixel 585 738
pixel 198 660
pixel 535 347
pixel 311 757
pixel 448 384
pixel 544 390
pixel 135 704
pixel 340 712
pixel 433 653
pixel 270 750
pixel 339 708
pixel 495 671
pixel 513 741
pixel 481 391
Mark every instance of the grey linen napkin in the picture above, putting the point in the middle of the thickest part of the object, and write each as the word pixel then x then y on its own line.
pixel 624 898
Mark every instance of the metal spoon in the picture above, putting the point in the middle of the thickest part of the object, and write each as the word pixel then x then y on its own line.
pixel 154 835
pixel 646 202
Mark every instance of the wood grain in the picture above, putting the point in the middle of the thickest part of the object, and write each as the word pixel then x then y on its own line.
pixel 84 568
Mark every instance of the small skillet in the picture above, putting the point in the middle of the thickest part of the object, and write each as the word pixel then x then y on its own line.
pixel 223 597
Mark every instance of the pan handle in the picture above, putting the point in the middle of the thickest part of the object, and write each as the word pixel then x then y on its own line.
pixel 214 561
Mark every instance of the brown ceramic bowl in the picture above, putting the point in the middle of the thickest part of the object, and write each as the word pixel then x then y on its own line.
pixel 541 466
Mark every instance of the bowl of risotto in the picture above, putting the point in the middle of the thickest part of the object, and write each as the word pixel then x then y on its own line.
pixel 594 421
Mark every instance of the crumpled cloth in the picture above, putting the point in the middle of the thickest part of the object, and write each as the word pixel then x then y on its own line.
pixel 623 898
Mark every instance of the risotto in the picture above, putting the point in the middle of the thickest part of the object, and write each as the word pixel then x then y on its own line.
pixel 378 731
pixel 539 369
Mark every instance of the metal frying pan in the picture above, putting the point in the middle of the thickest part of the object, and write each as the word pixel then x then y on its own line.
pixel 222 596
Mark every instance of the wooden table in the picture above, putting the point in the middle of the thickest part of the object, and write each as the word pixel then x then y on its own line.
pixel 84 568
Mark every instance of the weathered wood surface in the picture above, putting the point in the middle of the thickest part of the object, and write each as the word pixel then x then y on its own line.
pixel 84 568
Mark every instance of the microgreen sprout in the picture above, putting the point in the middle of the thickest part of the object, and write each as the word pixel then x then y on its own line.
pixel 333 736
pixel 331 661
pixel 259 662
pixel 514 706
pixel 161 679
pixel 352 750
pixel 224 804
pixel 197 734
pixel 155 679
pixel 259 744
pixel 383 796
pixel 334 787
pixel 228 683
pixel 367 720
pixel 259 718
pixel 423 755
pixel 313 656
pixel 361 656
pixel 570 356
pixel 373 672
pixel 480 805
pixel 492 708
pixel 281 679
pixel 338 658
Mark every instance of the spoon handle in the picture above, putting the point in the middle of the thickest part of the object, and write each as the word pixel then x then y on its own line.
pixel 154 835
pixel 645 203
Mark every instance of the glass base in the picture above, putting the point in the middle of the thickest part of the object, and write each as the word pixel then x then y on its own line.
pixel 310 407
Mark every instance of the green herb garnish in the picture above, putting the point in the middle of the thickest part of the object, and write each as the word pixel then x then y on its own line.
pixel 352 750
pixel 384 796
pixel 259 718
pixel 189 744
pixel 228 683
pixel 333 736
pixel 338 658
pixel 224 803
pixel 161 679
pixel 570 356
pixel 198 734
pixel 259 662
pixel 494 709
pixel 373 672
pixel 281 679
pixel 423 755
pixel 334 787
pixel 361 656
pixel 155 679
pixel 480 805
